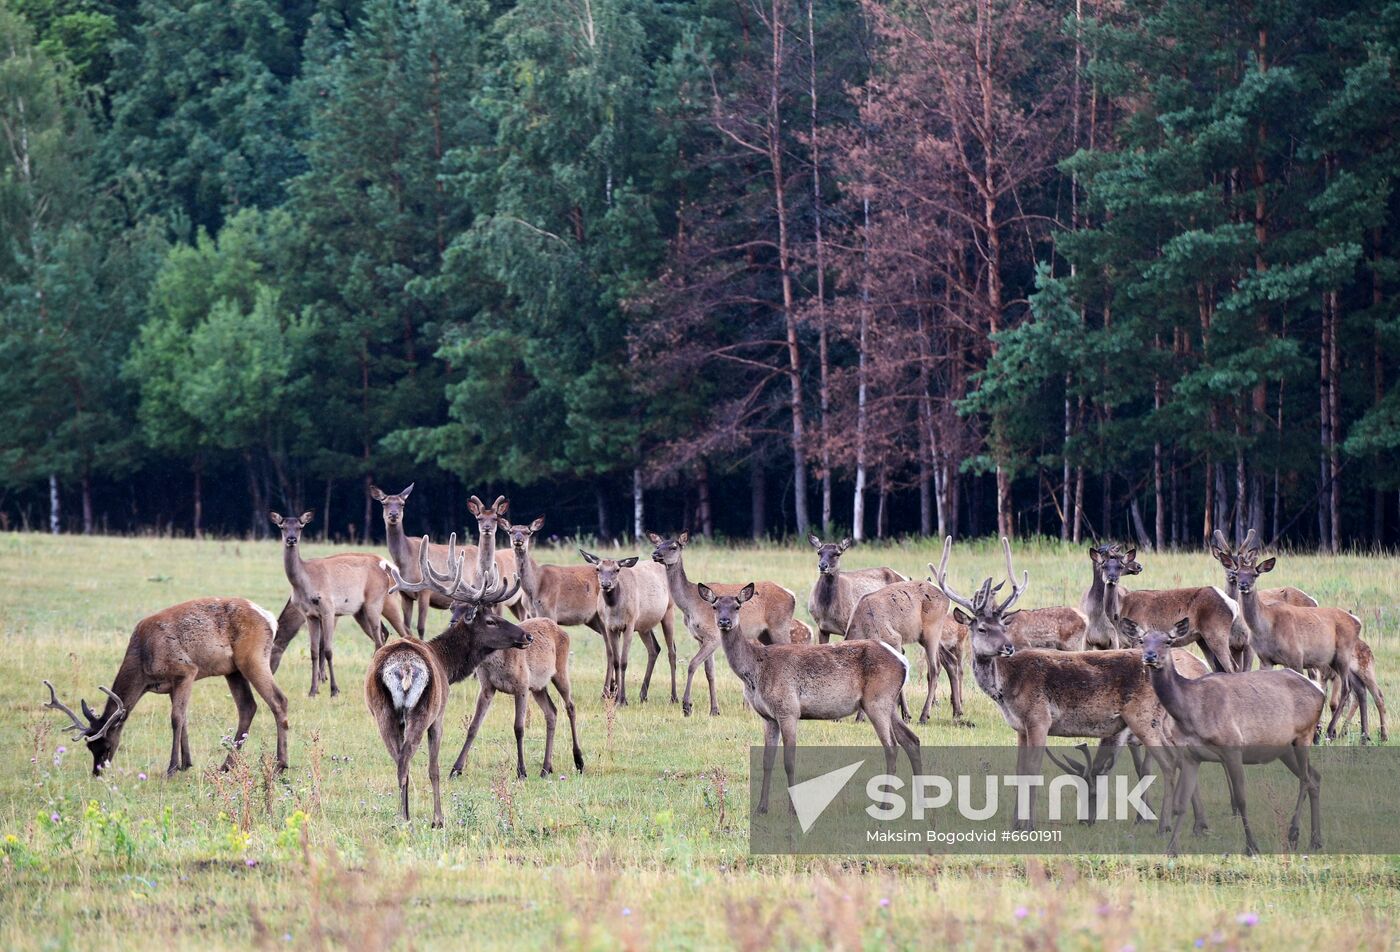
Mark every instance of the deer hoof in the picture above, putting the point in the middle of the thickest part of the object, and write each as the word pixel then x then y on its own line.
pixel 1201 830
pixel 454 772
pixel 714 712
pixel 545 772
pixel 437 824
pixel 686 709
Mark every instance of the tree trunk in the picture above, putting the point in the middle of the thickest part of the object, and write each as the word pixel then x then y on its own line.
pixel 600 499
pixel 882 507
pixel 55 513
pixel 822 343
pixel 638 505
pixel 758 499
pixel 87 502
pixel 199 497
pixel 1334 412
pixel 326 512
pixel 703 511
pixel 1324 512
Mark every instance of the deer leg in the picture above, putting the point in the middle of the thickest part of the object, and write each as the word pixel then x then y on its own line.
pixel 702 657
pixel 483 704
pixel 609 666
pixel 1343 675
pixel 770 753
pixel 624 652
pixel 313 636
pixel 669 633
pixel 787 726
pixel 276 701
pixel 405 758
pixel 179 712
pixel 391 610
pixel 710 683
pixel 1233 761
pixel 951 660
pixel 931 662
pixel 520 714
pixel 653 648
pixel 247 707
pixel 1368 676
pixel 1032 755
pixel 551 716
pixel 327 634
pixel 1185 790
pixel 566 695
pixel 434 746
pixel 368 620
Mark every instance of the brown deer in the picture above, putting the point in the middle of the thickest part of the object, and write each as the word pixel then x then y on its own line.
pixel 404 551
pixel 787 683
pixel 1041 694
pixel 1295 637
pixel 836 593
pixel 1220 550
pixel 488 519
pixel 914 612
pixel 632 597
pixel 350 583
pixel 171 650
pixel 525 674
pixel 1251 717
pixel 768 617
pixel 566 594
pixel 407 683
pixel 799 634
pixel 1100 605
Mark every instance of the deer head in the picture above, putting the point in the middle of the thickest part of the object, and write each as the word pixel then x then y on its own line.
pixel 519 534
pixel 1112 562
pixel 726 606
pixel 102 732
pixel 1242 571
pixel 1220 549
pixel 668 551
pixel 829 554
pixel 393 505
pixel 1156 645
pixel 984 617
pixel 608 569
pixel 467 600
pixel 488 517
pixel 291 527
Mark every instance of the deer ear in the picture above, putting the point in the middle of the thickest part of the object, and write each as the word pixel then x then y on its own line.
pixel 654 539
pixel 705 593
pixel 276 518
pixel 474 506
pixel 683 538
pixel 504 523
pixel 1266 566
pixel 407 489
pixel 963 618
pixel 845 544
pixel 376 493
pixel 1180 630
pixel 813 541
pixel 306 517
pixel 588 557
pixel 1130 555
pixel 1095 555
pixel 537 525
pixel 1010 615
pixel 745 593
pixel 1129 629
pixel 628 563
pixel 501 505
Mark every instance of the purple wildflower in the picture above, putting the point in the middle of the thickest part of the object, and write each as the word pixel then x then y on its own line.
pixel 1248 919
pixel 1021 913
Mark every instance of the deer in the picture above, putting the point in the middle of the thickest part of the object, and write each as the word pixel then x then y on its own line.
pixel 632 597
pixel 786 683
pixel 1299 638
pixel 1214 618
pixel 767 619
pixel 800 633
pixel 1220 549
pixel 404 551
pixel 349 583
pixel 1102 694
pixel 488 518
pixel 568 594
pixel 166 654
pixel 1249 717
pixel 914 612
pixel 836 593
pixel 407 682
pixel 1100 605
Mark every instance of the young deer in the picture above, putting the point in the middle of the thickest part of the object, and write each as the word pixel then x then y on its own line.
pixel 836 593
pixel 566 594
pixel 404 551
pixel 1300 638
pixel 914 612
pixel 799 634
pixel 767 619
pixel 788 683
pixel 407 683
pixel 1100 605
pixel 1252 717
pixel 171 650
pixel 488 518
pixel 352 583
pixel 632 597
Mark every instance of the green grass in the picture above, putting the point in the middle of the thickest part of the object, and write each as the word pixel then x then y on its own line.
pixel 647 849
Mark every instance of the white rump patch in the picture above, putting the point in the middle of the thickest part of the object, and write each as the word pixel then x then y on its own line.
pixel 405 674
pixel 1353 617
pixel 271 618
pixel 900 655
pixel 789 591
pixel 1234 605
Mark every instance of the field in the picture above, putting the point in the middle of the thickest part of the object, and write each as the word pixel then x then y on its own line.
pixel 647 849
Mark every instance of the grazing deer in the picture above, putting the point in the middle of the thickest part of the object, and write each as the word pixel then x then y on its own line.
pixel 171 650
pixel 914 612
pixel 1300 638
pixel 407 683
pixel 632 597
pixel 566 594
pixel 1251 717
pixel 1041 694
pixel 524 674
pixel 488 518
pixel 836 593
pixel 767 619
pixel 351 583
pixel 788 683
pixel 404 551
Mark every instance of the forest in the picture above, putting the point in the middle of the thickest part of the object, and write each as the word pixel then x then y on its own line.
pixel 1069 268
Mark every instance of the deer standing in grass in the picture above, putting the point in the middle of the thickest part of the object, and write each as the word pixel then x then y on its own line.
pixel 568 594
pixel 1100 605
pixel 171 650
pixel 407 683
pixel 1252 717
pixel 632 597
pixel 767 617
pixel 404 551
pixel 915 612
pixel 835 594
pixel 488 519
pixel 350 583
pixel 787 683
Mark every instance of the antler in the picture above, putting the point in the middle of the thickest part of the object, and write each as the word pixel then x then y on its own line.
pixel 1016 590
pixel 78 728
pixel 940 577
pixel 450 583
pixel 1249 551
pixel 1085 770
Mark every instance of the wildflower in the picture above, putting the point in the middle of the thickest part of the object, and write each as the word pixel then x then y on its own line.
pixel 141 776
pixel 884 902
pixel 62 749
pixel 1021 913
pixel 54 818
pixel 626 911
pixel 250 863
pixel 1248 919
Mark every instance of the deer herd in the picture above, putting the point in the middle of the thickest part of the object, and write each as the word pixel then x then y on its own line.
pixel 1115 669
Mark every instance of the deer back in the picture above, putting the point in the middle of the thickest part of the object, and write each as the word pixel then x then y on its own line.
pixel 1076 694
pixel 825 682
pixel 1058 628
pixel 215 636
pixel 516 671
pixel 900 614
pixel 834 597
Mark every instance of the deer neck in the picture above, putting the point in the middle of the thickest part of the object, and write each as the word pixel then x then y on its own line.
pixel 1253 612
pixel 399 549
pixel 486 550
pixel 289 622
pixel 528 570
pixel 129 684
pixel 683 590
pixel 295 568
pixel 744 655
pixel 457 653
pixel 1171 688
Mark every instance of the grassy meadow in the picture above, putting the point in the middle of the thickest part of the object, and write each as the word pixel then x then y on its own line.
pixel 647 849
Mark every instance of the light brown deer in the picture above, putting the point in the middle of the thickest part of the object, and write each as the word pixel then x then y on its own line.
pixel 767 617
pixel 800 634
pixel 835 594
pixel 488 519
pixel 407 683
pixel 1252 717
pixel 350 583
pixel 404 551
pixel 632 597
pixel 1288 594
pixel 1100 605
pixel 788 683
pixel 525 674
pixel 914 612
pixel 566 594
pixel 1300 638
pixel 171 650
